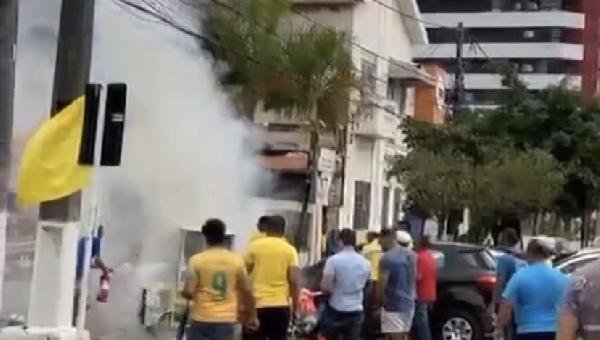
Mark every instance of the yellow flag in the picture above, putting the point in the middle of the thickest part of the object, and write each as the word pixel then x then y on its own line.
pixel 49 166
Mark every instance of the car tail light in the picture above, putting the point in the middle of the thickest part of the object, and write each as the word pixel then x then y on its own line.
pixel 487 282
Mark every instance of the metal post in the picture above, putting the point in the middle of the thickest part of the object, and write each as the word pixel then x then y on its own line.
pixel 8 41
pixel 459 76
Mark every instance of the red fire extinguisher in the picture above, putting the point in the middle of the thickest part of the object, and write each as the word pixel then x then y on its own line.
pixel 104 288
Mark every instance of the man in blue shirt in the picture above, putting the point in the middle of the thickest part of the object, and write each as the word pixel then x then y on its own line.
pixel 507 265
pixel 536 293
pixel 396 288
pixel 344 277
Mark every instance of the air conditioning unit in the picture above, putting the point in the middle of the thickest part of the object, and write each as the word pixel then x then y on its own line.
pixel 529 34
pixel 390 106
pixel 469 97
pixel 527 68
pixel 532 6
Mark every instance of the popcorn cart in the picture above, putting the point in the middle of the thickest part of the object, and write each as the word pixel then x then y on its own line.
pixel 163 307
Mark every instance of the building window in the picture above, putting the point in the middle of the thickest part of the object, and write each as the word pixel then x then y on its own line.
pixel 369 75
pixel 397 206
pixel 398 92
pixel 385 202
pixel 362 204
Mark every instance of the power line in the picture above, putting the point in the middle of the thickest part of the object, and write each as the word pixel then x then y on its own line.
pixel 236 11
pixel 351 40
pixel 204 38
pixel 411 16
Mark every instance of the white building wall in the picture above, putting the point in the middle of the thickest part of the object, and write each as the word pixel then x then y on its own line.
pixel 509 19
pixel 383 32
pixel 504 50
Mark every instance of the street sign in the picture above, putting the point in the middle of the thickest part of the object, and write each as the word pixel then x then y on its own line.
pixel 326 161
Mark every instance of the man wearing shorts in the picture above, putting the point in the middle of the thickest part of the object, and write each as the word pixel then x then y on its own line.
pixel 396 287
pixel 216 277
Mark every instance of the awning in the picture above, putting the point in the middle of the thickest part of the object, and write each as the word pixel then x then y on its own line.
pixel 291 162
pixel 410 73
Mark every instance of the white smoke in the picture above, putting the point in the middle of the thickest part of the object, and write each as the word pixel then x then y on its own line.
pixel 186 158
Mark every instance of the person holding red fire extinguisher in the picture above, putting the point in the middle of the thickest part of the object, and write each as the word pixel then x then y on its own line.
pixel 95 263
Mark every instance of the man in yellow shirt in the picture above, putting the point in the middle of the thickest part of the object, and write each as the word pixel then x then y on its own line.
pixel 261 225
pixel 274 266
pixel 373 253
pixel 216 277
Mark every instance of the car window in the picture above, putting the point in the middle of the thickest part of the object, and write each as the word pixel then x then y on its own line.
pixel 479 258
pixel 571 267
pixel 439 258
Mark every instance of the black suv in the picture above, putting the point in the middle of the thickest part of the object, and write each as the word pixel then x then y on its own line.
pixel 466 279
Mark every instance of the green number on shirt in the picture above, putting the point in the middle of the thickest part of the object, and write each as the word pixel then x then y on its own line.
pixel 219 284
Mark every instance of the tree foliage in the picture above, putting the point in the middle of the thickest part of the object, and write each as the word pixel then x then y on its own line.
pixel 304 73
pixel 248 48
pixel 439 182
pixel 512 182
pixel 535 152
pixel 516 182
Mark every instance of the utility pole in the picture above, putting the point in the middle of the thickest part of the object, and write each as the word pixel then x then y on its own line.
pixel 52 287
pixel 8 41
pixel 459 75
pixel 73 59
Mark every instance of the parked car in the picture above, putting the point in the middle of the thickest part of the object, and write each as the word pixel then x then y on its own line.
pixel 466 280
pixel 572 263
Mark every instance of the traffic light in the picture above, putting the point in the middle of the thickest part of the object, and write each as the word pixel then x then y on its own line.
pixel 114 124
pixel 90 123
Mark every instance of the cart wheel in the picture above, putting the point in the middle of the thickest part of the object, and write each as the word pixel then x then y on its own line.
pixel 163 328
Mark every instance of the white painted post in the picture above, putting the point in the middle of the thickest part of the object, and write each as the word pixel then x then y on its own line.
pixel 53 282
pixel 3 222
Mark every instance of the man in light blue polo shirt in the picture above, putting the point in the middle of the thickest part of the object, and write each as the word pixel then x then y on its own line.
pixel 536 294
pixel 344 277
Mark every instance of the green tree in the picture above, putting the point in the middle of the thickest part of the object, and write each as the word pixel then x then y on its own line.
pixel 558 121
pixel 305 74
pixel 437 182
pixel 247 48
pixel 517 183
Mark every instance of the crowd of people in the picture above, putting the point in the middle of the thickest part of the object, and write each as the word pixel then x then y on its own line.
pixel 384 287
pixel 260 288
pixel 535 301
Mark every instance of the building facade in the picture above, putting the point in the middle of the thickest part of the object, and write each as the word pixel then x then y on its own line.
pixel 547 41
pixel 361 195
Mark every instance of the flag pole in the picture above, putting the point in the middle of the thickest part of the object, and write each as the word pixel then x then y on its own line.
pixel 94 214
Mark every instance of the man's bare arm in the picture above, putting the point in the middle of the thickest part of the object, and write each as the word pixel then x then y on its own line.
pixel 497 292
pixel 245 289
pixel 292 275
pixel 191 285
pixel 327 283
pixel 504 314
pixel 382 282
pixel 568 326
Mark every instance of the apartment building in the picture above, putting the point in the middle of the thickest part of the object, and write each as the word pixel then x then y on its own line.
pixel 547 41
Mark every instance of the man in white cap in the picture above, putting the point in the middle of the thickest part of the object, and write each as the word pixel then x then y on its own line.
pixel 395 290
pixel 404 239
